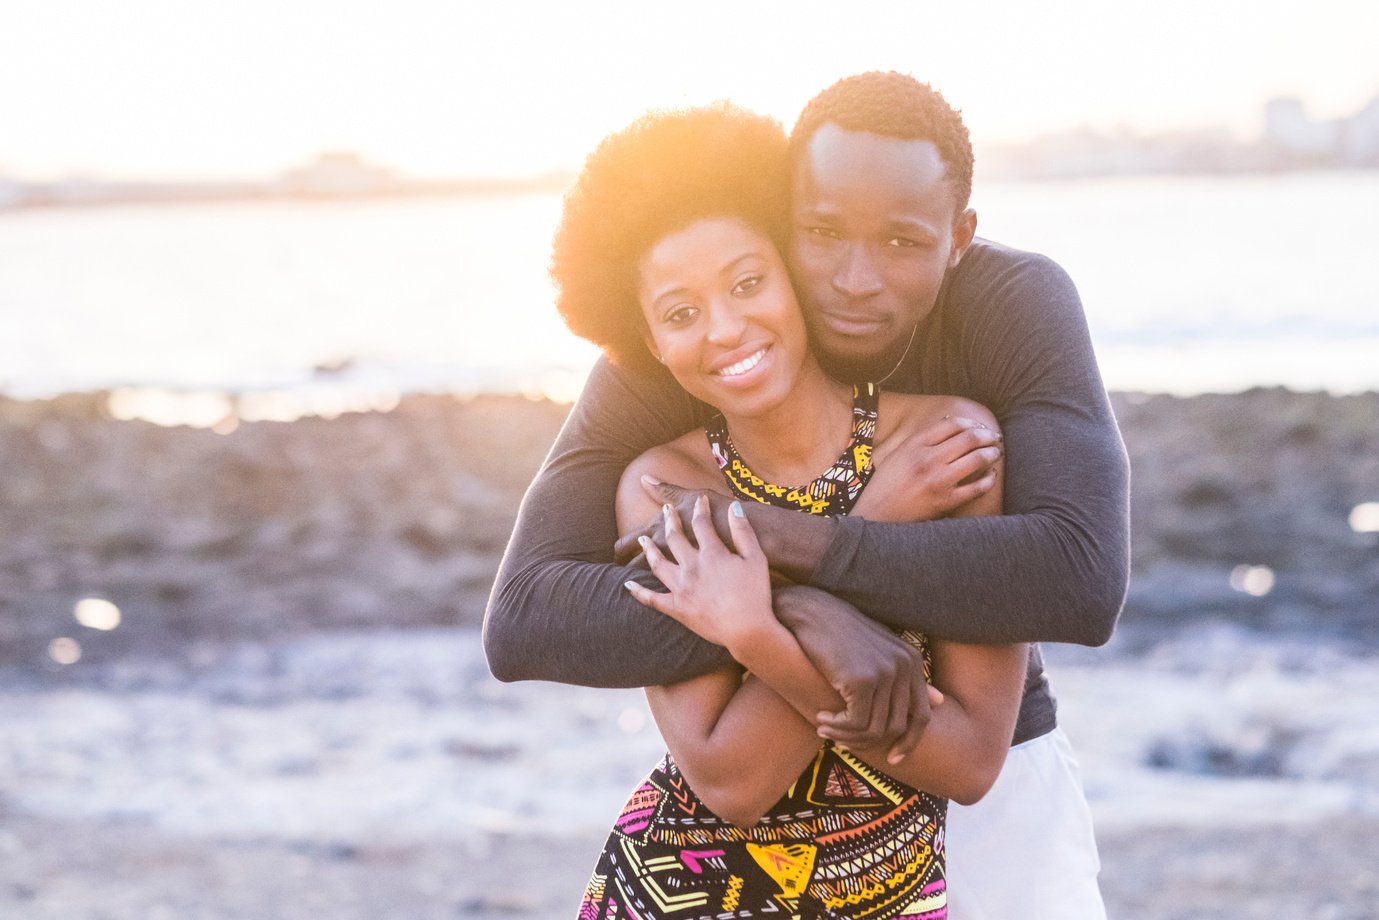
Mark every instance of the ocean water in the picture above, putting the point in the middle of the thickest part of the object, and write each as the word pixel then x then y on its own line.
pixel 1191 284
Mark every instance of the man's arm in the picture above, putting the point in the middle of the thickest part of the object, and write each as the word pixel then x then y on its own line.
pixel 1055 567
pixel 558 610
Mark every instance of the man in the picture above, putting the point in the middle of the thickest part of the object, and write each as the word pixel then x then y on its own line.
pixel 896 289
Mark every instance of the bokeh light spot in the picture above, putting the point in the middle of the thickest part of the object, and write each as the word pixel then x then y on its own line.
pixel 65 650
pixel 97 613
pixel 1255 580
pixel 1364 517
pixel 631 720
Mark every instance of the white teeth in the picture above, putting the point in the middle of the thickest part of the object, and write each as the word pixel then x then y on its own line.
pixel 743 366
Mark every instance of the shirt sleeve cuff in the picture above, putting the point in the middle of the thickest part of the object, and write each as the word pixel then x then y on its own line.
pixel 830 574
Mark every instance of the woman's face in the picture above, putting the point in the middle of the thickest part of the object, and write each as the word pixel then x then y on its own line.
pixel 722 315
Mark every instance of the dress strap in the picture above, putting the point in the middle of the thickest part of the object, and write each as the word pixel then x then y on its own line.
pixel 834 491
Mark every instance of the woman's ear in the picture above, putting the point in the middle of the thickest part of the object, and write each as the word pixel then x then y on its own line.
pixel 651 346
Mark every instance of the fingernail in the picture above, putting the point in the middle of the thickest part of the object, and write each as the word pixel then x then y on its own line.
pixel 650 480
pixel 629 584
pixel 737 509
pixel 644 541
pixel 665 509
pixel 895 758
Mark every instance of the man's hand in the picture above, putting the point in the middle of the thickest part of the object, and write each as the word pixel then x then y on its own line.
pixel 933 472
pixel 792 542
pixel 879 676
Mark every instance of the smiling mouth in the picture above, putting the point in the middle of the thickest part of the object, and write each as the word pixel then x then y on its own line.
pixel 743 366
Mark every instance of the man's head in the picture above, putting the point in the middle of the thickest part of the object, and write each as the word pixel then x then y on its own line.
pixel 882 172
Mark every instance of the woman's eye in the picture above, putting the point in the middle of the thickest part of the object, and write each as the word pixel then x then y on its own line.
pixel 827 233
pixel 680 314
pixel 747 285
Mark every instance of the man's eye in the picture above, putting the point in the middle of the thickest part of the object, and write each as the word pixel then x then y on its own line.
pixel 747 285
pixel 901 242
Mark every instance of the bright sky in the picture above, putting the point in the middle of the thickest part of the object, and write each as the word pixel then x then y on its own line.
pixel 183 88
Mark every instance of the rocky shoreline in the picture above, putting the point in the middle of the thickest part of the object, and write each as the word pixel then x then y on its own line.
pixel 1240 513
pixel 293 717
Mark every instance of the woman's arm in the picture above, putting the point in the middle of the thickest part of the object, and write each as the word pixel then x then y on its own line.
pixel 961 752
pixel 715 729
pixel 738 743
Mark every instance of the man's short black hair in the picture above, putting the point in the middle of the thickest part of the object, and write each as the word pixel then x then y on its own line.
pixel 892 105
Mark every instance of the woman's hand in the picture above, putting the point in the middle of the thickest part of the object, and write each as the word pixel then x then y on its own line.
pixel 933 472
pixel 723 594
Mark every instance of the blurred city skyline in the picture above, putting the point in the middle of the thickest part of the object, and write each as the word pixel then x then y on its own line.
pixel 157 90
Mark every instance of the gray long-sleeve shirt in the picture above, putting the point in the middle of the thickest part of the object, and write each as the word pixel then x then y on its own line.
pixel 1007 331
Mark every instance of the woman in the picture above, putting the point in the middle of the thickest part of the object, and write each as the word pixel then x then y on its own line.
pixel 669 250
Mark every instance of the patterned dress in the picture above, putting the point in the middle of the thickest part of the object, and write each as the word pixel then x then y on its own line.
pixel 845 841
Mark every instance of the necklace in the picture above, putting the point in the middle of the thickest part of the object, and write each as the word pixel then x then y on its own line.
pixel 903 355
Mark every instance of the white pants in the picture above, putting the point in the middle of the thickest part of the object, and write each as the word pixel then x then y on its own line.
pixel 1026 849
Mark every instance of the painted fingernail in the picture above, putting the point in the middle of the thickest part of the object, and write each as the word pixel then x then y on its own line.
pixel 737 509
pixel 645 542
pixel 630 585
pixel 650 480
pixel 665 509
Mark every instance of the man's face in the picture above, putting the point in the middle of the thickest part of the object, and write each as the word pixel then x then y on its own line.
pixel 876 226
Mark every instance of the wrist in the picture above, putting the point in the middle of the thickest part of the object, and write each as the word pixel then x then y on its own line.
pixel 793 543
pixel 794 606
pixel 754 645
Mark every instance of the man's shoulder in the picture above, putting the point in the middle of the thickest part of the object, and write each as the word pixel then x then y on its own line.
pixel 1000 284
pixel 989 265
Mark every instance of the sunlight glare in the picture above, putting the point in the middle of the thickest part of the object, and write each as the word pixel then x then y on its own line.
pixel 169 408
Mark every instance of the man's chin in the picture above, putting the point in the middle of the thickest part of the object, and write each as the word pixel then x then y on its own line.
pixel 849 360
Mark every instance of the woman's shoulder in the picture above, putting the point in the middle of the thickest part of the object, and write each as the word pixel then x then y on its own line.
pixel 685 461
pixel 903 414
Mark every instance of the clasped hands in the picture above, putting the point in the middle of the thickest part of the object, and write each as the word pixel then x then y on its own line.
pixel 879 677
pixel 721 590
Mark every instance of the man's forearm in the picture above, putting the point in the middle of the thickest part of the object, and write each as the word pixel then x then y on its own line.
pixel 794 543
pixel 1015 578
pixel 558 610
pixel 542 624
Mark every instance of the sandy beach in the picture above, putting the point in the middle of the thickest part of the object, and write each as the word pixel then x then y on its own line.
pixel 294 718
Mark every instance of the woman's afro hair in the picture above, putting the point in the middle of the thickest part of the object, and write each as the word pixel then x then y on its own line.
pixel 658 175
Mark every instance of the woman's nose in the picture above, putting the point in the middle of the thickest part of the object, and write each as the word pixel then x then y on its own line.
pixel 725 324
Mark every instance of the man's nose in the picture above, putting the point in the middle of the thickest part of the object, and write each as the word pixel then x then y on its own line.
pixel 857 275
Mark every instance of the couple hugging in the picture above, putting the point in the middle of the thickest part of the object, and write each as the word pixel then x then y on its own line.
pixel 842 466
